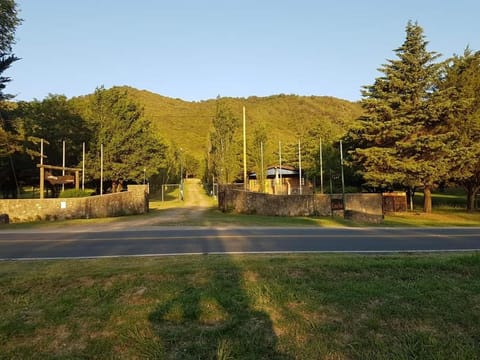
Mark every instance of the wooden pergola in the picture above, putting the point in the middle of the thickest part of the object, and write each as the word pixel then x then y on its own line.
pixel 58 179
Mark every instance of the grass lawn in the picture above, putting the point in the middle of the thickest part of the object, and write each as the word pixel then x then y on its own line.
pixel 243 307
pixel 439 218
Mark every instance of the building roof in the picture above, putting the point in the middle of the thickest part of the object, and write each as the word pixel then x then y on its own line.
pixel 276 170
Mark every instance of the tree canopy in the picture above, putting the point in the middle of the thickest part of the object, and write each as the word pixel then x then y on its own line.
pixel 462 82
pixel 131 150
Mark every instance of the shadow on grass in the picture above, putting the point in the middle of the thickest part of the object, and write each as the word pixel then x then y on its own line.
pixel 213 318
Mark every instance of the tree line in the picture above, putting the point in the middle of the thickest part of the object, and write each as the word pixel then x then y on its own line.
pixel 420 129
pixel 108 118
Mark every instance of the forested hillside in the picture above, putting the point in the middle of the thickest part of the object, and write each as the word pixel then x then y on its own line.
pixel 287 117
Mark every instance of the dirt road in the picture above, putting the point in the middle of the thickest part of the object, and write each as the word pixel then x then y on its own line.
pixel 195 203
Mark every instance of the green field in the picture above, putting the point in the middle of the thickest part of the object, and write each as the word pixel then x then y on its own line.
pixel 243 307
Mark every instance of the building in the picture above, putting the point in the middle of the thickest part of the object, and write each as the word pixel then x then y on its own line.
pixel 282 180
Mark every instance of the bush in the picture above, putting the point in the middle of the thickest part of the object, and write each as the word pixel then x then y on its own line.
pixel 73 193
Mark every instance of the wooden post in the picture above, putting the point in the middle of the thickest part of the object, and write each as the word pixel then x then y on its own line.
pixel 77 180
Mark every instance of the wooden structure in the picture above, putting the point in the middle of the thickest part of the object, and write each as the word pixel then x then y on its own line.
pixel 67 179
pixel 279 180
pixel 394 202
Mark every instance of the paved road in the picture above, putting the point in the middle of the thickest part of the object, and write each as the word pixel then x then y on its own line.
pixel 179 240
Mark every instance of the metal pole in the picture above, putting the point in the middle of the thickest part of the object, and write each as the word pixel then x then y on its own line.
pixel 83 166
pixel 321 167
pixel 63 162
pixel 280 163
pixel 343 177
pixel 244 152
pixel 101 169
pixel 42 171
pixel 181 174
pixel 261 161
pixel 299 167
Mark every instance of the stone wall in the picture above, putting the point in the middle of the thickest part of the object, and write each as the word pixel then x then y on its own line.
pixel 364 207
pixel 361 207
pixel 274 205
pixel 134 201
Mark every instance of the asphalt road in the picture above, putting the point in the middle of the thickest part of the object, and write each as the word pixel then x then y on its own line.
pixel 181 240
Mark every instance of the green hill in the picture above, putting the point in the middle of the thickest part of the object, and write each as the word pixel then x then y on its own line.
pixel 187 124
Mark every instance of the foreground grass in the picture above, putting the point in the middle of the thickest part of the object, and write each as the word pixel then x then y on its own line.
pixel 243 307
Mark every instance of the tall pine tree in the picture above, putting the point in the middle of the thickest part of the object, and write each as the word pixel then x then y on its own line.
pixel 403 135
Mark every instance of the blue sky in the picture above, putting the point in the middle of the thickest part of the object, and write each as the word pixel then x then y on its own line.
pixel 198 49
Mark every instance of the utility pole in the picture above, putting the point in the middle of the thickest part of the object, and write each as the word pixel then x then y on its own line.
pixel 101 169
pixel 181 175
pixel 300 167
pixel 321 167
pixel 280 163
pixel 83 166
pixel 42 172
pixel 261 165
pixel 63 163
pixel 244 152
pixel 343 177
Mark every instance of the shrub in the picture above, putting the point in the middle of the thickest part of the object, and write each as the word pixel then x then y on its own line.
pixel 73 193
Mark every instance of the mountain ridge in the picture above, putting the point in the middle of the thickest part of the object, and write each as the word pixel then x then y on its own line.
pixel 187 124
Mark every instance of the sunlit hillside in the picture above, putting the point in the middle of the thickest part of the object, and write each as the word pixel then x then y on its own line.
pixel 187 124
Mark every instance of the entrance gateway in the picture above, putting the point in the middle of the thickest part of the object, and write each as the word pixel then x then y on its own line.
pixel 66 179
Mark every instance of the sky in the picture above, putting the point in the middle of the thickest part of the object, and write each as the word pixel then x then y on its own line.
pixel 199 49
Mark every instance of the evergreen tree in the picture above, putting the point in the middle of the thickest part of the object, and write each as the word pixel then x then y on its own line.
pixel 403 135
pixel 10 139
pixel 5 62
pixel 9 21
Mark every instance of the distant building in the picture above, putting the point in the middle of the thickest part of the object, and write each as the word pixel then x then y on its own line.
pixel 279 180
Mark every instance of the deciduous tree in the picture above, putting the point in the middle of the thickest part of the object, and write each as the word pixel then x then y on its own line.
pixel 130 147
pixel 224 145
pixel 462 82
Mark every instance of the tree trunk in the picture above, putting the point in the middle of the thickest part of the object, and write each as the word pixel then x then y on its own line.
pixel 427 200
pixel 471 195
pixel 470 201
